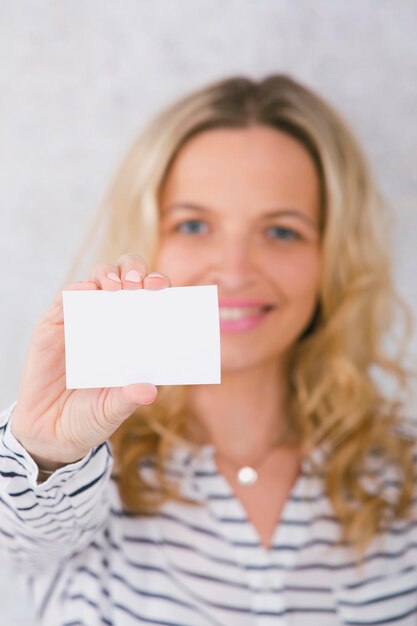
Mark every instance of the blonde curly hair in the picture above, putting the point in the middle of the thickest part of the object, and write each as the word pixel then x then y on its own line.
pixel 337 366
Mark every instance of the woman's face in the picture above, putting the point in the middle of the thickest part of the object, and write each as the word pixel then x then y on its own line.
pixel 240 209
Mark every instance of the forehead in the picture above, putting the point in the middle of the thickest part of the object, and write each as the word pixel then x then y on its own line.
pixel 253 166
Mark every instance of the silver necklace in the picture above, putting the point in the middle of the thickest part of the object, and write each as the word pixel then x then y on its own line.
pixel 247 475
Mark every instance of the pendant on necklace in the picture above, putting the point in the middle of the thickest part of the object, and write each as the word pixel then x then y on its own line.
pixel 247 476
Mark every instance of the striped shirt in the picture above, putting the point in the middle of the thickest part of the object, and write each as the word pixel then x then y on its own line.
pixel 87 563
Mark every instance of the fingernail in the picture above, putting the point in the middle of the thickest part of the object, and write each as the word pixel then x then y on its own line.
pixel 155 275
pixel 133 276
pixel 114 277
pixel 152 388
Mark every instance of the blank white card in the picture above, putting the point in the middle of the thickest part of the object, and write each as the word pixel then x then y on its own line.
pixel 166 337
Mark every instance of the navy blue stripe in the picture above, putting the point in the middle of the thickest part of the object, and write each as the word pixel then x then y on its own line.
pixel 410 525
pixel 184 546
pixel 65 533
pixel 352 564
pixel 12 475
pixel 213 579
pixel 280 547
pixel 283 521
pixel 27 508
pixel 129 611
pixel 16 494
pixel 47 514
pixel 306 566
pixel 170 471
pixel 21 518
pixel 63 470
pixel 297 609
pixel 379 599
pixel 374 579
pixel 88 485
pixel 188 605
pixel 309 499
pixel 80 596
pixel 14 452
pixel 150 594
pixel 287 522
pixel 221 497
pixel 184 524
pixel 148 620
pixel 230 497
pixel 206 474
pixel 14 459
pixel 51 505
pixel 53 517
pixel 380 621
pixel 9 508
pixel 6 534
pixel 303 589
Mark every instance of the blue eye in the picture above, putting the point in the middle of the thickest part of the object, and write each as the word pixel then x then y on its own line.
pixel 192 227
pixel 280 232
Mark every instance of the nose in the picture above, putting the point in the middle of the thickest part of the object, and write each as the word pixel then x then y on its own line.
pixel 234 265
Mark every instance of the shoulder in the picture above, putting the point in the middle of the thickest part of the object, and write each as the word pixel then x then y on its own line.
pixel 390 470
pixel 407 429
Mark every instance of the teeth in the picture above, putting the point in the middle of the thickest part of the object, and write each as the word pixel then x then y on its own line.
pixel 239 313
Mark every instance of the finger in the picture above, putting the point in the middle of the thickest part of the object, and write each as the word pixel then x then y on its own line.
pixel 106 276
pixel 55 313
pixel 133 269
pixel 155 280
pixel 122 401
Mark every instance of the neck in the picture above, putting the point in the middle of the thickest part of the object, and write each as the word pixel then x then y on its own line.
pixel 245 414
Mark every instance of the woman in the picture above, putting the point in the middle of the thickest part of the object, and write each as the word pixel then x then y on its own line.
pixel 281 496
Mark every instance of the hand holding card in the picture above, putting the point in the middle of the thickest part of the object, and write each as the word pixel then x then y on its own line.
pixel 123 336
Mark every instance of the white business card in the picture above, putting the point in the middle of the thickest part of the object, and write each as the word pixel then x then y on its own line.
pixel 165 337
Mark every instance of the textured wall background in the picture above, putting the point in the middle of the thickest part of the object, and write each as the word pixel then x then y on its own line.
pixel 79 78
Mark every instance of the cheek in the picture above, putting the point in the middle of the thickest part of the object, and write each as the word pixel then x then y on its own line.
pixel 298 274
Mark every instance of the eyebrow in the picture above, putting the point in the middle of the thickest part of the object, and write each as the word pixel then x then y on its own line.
pixel 284 212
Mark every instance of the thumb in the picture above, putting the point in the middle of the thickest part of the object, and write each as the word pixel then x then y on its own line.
pixel 121 402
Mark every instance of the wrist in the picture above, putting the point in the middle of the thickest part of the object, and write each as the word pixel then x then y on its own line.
pixel 46 457
pixel 48 467
pixel 43 475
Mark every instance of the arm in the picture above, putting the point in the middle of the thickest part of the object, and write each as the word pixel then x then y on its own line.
pixel 64 431
pixel 44 522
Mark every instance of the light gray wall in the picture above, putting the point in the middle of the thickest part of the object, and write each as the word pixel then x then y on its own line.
pixel 79 78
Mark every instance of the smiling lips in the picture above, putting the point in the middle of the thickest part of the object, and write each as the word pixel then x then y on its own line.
pixel 240 315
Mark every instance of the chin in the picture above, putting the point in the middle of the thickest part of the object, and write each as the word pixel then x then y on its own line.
pixel 235 359
pixel 235 362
